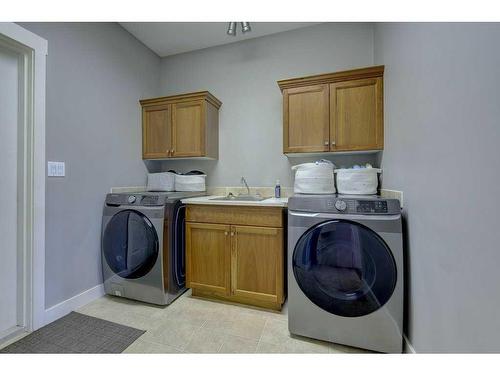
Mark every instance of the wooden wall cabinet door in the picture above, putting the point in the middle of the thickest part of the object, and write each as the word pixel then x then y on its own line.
pixel 356 115
pixel 306 123
pixel 257 263
pixel 208 248
pixel 156 131
pixel 188 128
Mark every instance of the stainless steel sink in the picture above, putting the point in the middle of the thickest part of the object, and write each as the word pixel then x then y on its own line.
pixel 244 198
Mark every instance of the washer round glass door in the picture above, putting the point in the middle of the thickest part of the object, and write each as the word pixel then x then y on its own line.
pixel 344 268
pixel 130 244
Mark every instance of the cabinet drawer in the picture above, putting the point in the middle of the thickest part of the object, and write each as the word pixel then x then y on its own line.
pixel 236 215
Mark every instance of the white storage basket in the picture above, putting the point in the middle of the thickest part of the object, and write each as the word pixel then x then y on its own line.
pixel 164 181
pixel 314 178
pixel 362 181
pixel 194 182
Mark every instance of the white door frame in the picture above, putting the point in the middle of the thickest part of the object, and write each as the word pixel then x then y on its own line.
pixel 32 52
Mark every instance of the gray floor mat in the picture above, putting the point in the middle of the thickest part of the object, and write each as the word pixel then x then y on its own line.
pixel 77 333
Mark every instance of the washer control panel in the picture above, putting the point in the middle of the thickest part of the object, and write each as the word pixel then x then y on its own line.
pixel 348 205
pixel 344 204
pixel 136 199
pixel 372 207
pixel 340 205
pixel 150 200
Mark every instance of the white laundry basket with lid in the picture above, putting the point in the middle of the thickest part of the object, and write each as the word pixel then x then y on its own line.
pixel 163 181
pixel 314 178
pixel 191 181
pixel 362 181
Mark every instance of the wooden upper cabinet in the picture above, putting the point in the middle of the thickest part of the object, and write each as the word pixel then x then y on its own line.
pixel 356 115
pixel 188 128
pixel 208 249
pixel 306 119
pixel 334 112
pixel 156 131
pixel 181 126
pixel 257 263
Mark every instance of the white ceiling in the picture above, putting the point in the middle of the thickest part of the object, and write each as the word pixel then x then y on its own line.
pixel 170 38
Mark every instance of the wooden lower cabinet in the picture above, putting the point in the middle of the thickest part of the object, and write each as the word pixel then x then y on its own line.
pixel 257 263
pixel 208 249
pixel 239 263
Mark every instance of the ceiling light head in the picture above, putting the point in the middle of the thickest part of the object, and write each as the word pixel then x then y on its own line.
pixel 231 29
pixel 245 27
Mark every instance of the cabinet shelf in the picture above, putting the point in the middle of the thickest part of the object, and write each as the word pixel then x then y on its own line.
pixel 330 153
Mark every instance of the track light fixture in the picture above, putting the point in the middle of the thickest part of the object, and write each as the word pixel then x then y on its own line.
pixel 245 27
pixel 231 28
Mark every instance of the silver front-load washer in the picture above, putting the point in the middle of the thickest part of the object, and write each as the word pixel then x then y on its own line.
pixel 345 270
pixel 143 254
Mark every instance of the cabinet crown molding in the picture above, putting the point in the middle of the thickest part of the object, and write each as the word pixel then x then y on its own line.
pixel 346 75
pixel 206 95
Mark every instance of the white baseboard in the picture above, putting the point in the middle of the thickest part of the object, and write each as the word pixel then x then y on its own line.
pixel 65 307
pixel 408 347
pixel 11 335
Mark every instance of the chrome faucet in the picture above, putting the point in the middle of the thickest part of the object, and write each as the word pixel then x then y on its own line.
pixel 244 182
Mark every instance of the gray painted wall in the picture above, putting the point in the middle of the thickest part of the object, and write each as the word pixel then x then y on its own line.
pixel 243 76
pixel 95 75
pixel 441 148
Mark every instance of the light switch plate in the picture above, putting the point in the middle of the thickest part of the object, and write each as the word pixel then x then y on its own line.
pixel 56 169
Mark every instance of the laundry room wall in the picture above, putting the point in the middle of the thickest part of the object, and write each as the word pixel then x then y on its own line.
pixel 441 149
pixel 95 75
pixel 243 76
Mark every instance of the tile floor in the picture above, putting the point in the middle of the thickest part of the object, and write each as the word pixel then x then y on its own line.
pixel 193 325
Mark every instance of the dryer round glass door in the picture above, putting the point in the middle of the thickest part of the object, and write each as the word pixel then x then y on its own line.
pixel 130 244
pixel 344 268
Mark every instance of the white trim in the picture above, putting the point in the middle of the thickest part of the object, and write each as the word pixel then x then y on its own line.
pixel 408 347
pixel 25 37
pixel 65 307
pixel 34 50
pixel 11 336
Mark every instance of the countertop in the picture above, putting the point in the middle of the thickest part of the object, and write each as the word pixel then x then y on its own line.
pixel 270 202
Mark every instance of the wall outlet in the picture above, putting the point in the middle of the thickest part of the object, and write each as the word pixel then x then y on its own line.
pixel 56 169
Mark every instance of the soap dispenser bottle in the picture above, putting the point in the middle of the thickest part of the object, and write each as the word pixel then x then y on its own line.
pixel 277 189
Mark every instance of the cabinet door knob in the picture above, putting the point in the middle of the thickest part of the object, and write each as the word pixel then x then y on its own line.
pixel 333 143
pixel 232 233
pixel 326 143
pixel 225 233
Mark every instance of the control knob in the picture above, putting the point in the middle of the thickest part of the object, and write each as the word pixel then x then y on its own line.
pixel 340 205
pixel 131 198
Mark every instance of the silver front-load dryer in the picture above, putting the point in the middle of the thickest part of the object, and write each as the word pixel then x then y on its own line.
pixel 143 246
pixel 345 270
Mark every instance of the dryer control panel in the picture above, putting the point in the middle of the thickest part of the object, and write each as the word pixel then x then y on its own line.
pixel 365 205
